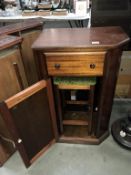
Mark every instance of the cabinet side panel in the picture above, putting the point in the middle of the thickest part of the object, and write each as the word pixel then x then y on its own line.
pixel 28 57
pixel 9 84
pixel 111 70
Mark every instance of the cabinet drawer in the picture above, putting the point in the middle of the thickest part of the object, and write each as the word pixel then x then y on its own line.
pixel 88 63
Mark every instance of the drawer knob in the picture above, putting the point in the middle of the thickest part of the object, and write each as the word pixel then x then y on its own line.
pixel 57 66
pixel 92 66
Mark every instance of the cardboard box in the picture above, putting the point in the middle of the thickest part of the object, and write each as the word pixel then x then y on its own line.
pixel 123 87
pixel 80 7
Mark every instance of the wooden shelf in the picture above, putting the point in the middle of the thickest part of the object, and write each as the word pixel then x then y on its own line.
pixel 84 140
pixel 76 87
pixel 76 115
pixel 75 122
pixel 75 131
pixel 77 102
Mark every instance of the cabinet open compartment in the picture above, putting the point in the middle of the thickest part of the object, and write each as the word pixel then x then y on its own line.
pixel 75 118
pixel 75 131
pixel 74 100
pixel 76 124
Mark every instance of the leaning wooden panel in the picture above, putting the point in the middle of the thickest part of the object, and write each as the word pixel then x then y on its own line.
pixel 12 78
pixel 23 95
pixel 28 116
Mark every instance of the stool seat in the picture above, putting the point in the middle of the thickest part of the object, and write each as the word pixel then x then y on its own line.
pixel 74 82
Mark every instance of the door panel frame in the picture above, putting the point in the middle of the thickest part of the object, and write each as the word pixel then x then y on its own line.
pixel 6 115
pixel 16 99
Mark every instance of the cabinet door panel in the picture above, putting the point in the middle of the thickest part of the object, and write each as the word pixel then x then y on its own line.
pixel 31 121
pixel 9 84
pixel 12 76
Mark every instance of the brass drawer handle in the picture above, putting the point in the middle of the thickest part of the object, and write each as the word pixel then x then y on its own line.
pixel 57 66
pixel 92 66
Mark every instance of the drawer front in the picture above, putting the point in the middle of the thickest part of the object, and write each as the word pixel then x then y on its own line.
pixel 76 64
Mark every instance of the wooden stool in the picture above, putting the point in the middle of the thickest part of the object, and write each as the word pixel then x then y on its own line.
pixel 75 83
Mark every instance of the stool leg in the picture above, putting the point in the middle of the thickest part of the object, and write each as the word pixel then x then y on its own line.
pixel 91 102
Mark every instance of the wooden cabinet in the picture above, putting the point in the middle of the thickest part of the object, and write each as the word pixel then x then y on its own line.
pixel 29 31
pixel 36 130
pixel 93 54
pixel 12 74
pixel 17 65
pixel 12 80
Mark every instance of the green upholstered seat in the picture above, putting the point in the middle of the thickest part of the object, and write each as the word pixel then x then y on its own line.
pixel 74 80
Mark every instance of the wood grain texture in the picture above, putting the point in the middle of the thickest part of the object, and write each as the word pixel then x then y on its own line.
pixel 81 38
pixel 13 80
pixel 19 78
pixel 75 122
pixel 91 104
pixel 42 152
pixel 28 58
pixel 10 80
pixel 58 106
pixel 9 84
pixel 50 96
pixel 14 100
pixel 37 121
pixel 6 115
pixel 77 102
pixel 35 126
pixel 69 52
pixel 73 87
pixel 108 84
pixel 79 140
pixel 88 63
pixel 21 26
pixel 7 41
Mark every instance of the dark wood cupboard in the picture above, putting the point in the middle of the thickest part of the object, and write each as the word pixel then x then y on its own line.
pixel 29 31
pixel 31 120
pixel 66 53
pixel 94 52
pixel 17 67
pixel 12 81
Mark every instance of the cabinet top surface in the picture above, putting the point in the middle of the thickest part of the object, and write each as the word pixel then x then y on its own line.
pixel 12 28
pixel 7 41
pixel 95 37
